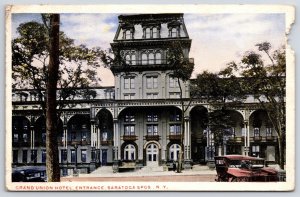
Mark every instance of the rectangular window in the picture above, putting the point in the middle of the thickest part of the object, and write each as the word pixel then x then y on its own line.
pixel 16 137
pixel 269 132
pixel 255 149
pixel 175 116
pixel 173 82
pixel 256 132
pixel 151 82
pixel 15 156
pixel 25 137
pixel 152 117
pixel 24 156
pixel 129 130
pixel 129 83
pixel 83 155
pixel 128 96
pixel 152 129
pixel 104 136
pixel 129 117
pixel 174 95
pixel 175 129
pixel 64 155
pixel 43 156
pixel 152 95
pixel 73 156
pixel 83 136
pixel 34 156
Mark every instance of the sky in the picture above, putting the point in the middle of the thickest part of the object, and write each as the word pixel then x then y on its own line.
pixel 217 39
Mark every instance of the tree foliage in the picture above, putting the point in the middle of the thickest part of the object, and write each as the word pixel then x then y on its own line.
pixel 182 70
pixel 267 83
pixel 30 55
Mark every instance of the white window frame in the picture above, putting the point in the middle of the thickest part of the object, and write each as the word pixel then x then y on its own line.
pixel 129 152
pixel 129 82
pixel 129 130
pixel 173 82
pixel 175 129
pixel 174 151
pixel 152 129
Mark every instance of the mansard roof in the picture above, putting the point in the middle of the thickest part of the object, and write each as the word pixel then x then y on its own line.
pixel 140 18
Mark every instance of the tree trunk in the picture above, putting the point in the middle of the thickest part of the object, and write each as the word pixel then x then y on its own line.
pixel 181 150
pixel 281 152
pixel 52 160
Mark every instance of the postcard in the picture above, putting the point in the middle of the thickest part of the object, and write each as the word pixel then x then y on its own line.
pixel 150 98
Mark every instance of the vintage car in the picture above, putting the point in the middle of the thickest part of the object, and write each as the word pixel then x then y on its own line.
pixel 29 174
pixel 238 168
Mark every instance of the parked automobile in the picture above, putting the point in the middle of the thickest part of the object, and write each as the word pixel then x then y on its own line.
pixel 239 168
pixel 29 174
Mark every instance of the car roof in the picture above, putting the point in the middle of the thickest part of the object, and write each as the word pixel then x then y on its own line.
pixel 29 169
pixel 238 157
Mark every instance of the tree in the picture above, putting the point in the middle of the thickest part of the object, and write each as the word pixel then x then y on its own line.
pixel 182 70
pixel 46 60
pixel 267 83
pixel 52 165
pixel 221 90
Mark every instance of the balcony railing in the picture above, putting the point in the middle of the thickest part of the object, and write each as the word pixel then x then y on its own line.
pixel 235 139
pixel 106 142
pixel 257 138
pixel 129 137
pixel 152 62
pixel 152 137
pixel 175 137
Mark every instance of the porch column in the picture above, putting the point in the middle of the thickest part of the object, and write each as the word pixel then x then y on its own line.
pixel 248 138
pixel 65 134
pixel 187 143
pixel 117 153
pixel 93 136
pixel 32 137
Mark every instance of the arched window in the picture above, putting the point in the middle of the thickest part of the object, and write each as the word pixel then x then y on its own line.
pixel 154 32
pixel 147 33
pixel 128 34
pixel 173 32
pixel 129 152
pixel 127 58
pixel 151 58
pixel 133 59
pixel 174 152
pixel 144 59
pixel 158 58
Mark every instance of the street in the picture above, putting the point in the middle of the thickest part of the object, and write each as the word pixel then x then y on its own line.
pixel 167 178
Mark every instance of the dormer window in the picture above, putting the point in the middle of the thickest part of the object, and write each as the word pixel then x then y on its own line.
pixel 128 34
pixel 151 32
pixel 174 32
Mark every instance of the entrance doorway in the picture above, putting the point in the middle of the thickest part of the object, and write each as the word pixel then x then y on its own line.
pixel 152 155
pixel 104 157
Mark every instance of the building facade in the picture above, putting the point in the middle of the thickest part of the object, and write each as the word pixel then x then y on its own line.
pixel 139 119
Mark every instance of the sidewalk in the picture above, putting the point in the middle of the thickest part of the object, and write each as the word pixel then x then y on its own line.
pixel 107 171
